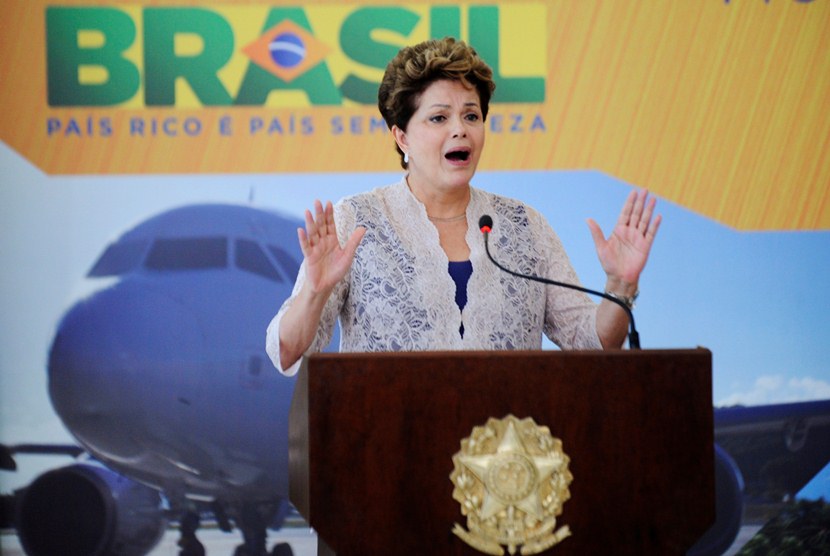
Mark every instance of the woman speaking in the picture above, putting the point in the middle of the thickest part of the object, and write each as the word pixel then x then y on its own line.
pixel 404 266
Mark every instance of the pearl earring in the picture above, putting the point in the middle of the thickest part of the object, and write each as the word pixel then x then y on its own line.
pixel 406 158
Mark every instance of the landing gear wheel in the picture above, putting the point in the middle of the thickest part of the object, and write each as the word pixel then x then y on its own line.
pixel 282 549
pixel 243 550
pixel 189 544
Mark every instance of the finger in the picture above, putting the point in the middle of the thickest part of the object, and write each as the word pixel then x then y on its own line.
pixel 653 227
pixel 596 232
pixel 330 227
pixel 310 228
pixel 304 245
pixel 320 220
pixel 645 220
pixel 354 241
pixel 628 207
pixel 637 209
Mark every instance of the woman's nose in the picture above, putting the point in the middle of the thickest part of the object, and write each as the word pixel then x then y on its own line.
pixel 459 130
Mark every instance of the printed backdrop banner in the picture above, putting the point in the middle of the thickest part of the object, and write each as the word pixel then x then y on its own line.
pixel 721 106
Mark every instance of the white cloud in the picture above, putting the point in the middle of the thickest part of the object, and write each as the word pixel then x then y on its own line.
pixel 771 389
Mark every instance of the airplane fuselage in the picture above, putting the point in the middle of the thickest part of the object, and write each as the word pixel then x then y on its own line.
pixel 162 374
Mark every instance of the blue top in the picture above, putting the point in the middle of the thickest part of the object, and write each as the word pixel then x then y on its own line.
pixel 460 273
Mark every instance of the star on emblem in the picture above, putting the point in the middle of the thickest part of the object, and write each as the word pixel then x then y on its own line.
pixel 511 478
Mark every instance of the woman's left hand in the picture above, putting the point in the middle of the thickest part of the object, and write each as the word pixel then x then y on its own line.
pixel 624 253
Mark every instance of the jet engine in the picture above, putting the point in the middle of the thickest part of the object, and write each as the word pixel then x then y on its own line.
pixel 729 507
pixel 87 510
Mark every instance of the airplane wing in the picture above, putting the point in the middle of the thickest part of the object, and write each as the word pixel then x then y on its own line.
pixel 764 455
pixel 778 448
pixel 7 462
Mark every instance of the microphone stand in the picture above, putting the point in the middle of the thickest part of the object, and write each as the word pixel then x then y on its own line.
pixel 633 336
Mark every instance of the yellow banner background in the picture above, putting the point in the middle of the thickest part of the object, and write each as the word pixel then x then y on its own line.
pixel 721 107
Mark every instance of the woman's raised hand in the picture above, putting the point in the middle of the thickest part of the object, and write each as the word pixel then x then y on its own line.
pixel 326 261
pixel 624 253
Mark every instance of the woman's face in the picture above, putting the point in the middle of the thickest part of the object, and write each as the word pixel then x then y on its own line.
pixel 444 138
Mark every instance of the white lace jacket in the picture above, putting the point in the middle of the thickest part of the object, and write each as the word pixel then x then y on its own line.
pixel 399 295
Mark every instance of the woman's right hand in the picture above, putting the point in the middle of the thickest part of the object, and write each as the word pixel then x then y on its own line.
pixel 326 261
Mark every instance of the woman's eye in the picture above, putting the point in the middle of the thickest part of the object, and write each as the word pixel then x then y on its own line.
pixel 438 118
pixel 472 117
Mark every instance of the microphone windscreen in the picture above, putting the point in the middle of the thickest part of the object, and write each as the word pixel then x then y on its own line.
pixel 485 224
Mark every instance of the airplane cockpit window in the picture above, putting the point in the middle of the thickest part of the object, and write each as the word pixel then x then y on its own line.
pixel 250 257
pixel 119 258
pixel 194 253
pixel 287 263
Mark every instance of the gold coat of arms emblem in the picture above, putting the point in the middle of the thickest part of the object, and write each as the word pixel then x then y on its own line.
pixel 511 478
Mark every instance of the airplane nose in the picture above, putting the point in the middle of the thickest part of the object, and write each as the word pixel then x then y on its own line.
pixel 104 364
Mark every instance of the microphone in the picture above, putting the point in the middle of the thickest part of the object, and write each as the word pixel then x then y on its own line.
pixel 485 224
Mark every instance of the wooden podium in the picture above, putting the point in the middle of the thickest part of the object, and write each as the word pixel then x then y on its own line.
pixel 372 438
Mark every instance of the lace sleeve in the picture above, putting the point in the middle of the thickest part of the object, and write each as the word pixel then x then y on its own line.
pixel 570 315
pixel 325 329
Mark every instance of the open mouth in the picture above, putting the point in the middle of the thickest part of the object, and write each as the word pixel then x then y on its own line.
pixel 458 155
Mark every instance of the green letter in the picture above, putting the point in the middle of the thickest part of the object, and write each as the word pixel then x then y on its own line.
pixel 484 37
pixel 445 21
pixel 162 67
pixel 357 44
pixel 317 82
pixel 65 57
